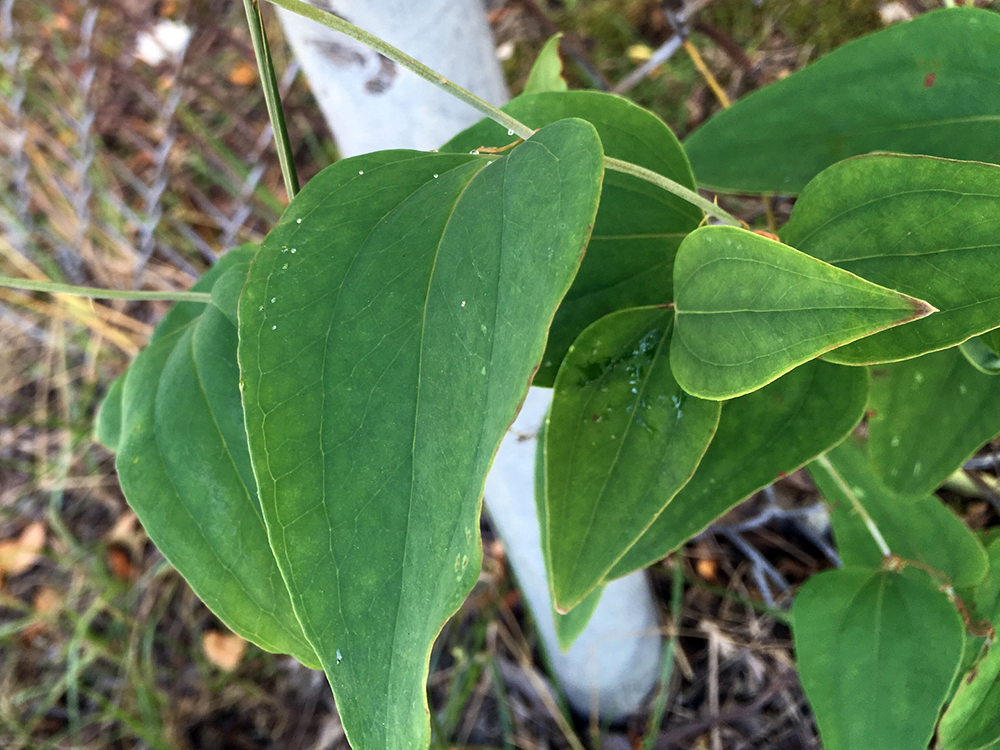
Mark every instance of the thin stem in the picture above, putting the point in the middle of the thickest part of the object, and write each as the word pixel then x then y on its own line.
pixel 514 126
pixel 269 82
pixel 672 187
pixel 53 287
pixel 849 493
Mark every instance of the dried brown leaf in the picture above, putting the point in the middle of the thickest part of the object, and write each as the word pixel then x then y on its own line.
pixel 224 650
pixel 17 555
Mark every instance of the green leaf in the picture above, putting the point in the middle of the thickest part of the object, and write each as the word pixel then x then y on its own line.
pixel 184 465
pixel 970 722
pixel 108 422
pixel 981 356
pixel 762 435
pixel 386 342
pixel 750 309
pixel 876 653
pixel 987 594
pixel 570 625
pixel 622 439
pixel 930 415
pixel 928 86
pixel 921 528
pixel 630 258
pixel 547 72
pixel 925 227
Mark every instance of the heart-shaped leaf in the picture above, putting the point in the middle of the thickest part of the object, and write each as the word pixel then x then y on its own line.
pixel 389 329
pixel 930 415
pixel 877 653
pixel 750 309
pixel 925 227
pixel 621 439
pixel 928 86
pixel 184 466
pixel 918 528
pixel 762 435
pixel 630 258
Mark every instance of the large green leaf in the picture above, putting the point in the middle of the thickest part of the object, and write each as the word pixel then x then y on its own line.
pixel 184 466
pixel 922 226
pixel 389 329
pixel 629 261
pixel 929 86
pixel 622 438
pixel 930 415
pixel 918 528
pixel 876 653
pixel 972 721
pixel 749 309
pixel 761 436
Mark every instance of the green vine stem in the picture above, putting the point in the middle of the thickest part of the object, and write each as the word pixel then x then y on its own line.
pixel 53 287
pixel 672 187
pixel 513 126
pixel 858 507
pixel 269 83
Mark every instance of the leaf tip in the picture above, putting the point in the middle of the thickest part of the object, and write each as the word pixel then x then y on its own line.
pixel 921 309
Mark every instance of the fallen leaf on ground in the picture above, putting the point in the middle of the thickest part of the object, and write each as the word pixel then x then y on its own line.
pixel 125 528
pixel 47 600
pixel 119 563
pixel 19 554
pixel 224 650
pixel 243 74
